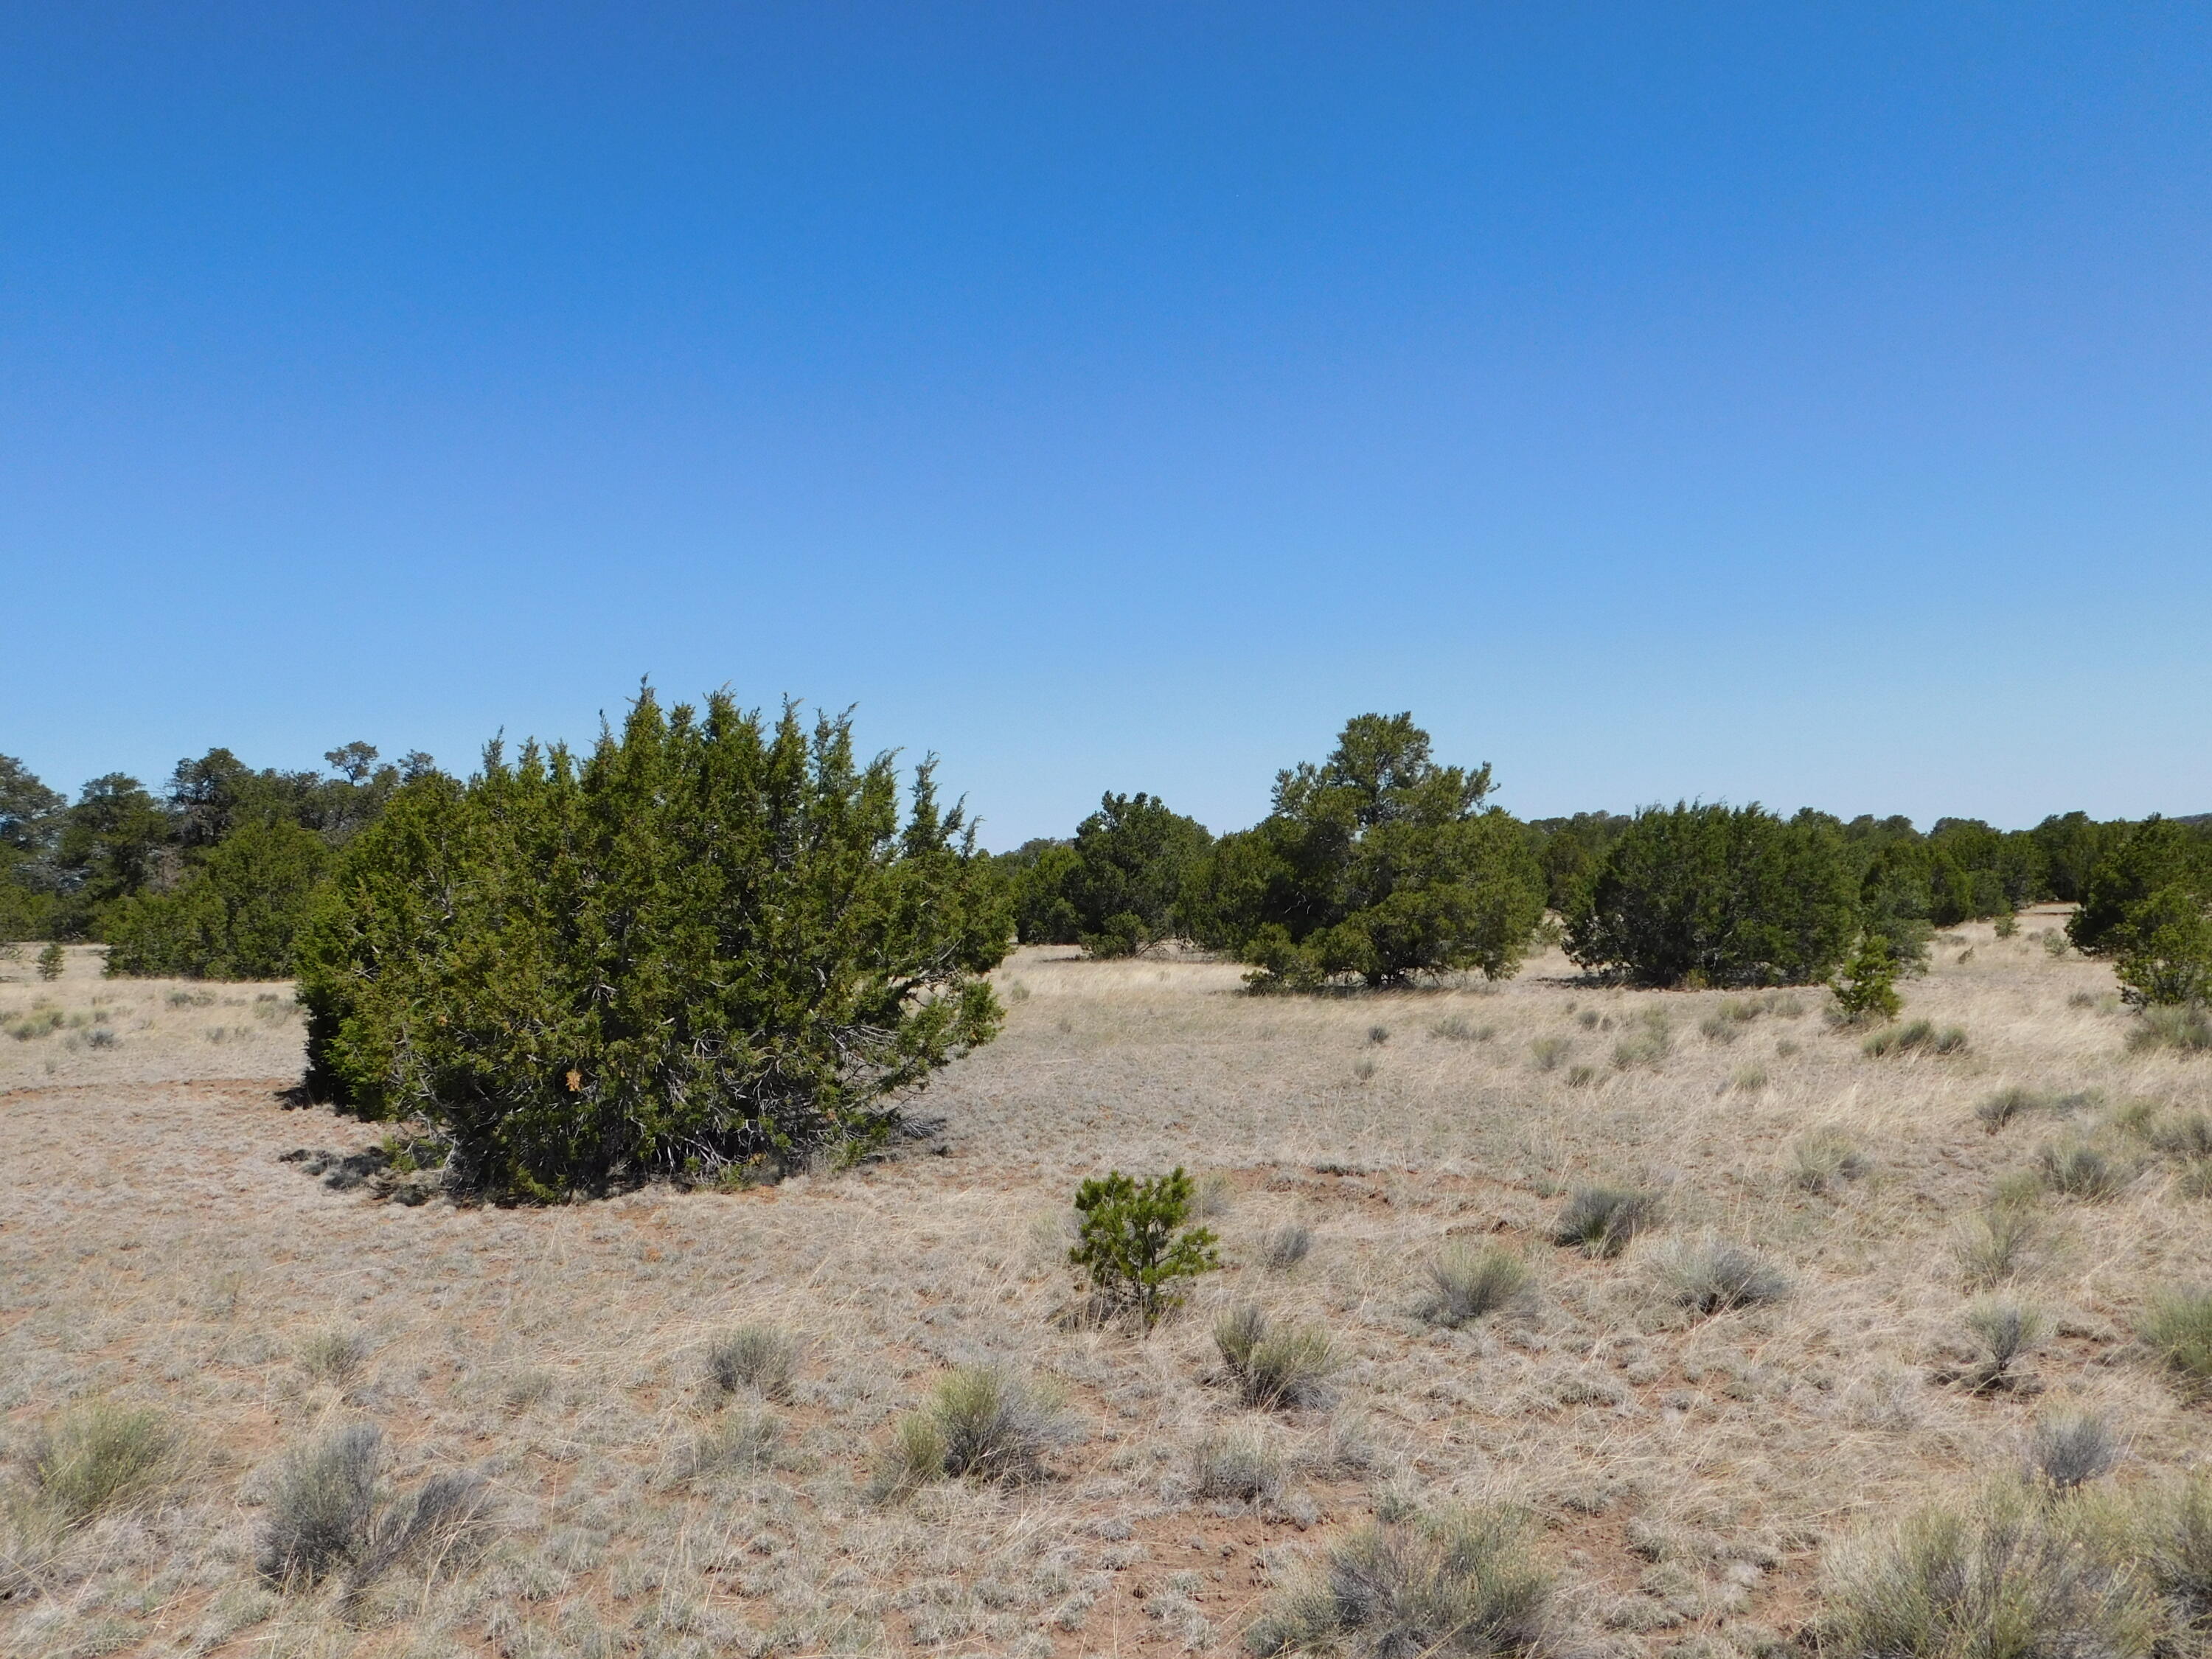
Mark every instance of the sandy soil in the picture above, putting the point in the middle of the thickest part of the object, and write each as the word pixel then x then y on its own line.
pixel 1684 1472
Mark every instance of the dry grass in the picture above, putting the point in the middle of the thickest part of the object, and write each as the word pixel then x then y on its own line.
pixel 1685 1474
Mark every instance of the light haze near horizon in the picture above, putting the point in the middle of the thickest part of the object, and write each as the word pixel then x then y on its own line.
pixel 1805 404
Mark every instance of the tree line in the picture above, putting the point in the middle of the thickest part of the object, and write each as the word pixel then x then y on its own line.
pixel 715 940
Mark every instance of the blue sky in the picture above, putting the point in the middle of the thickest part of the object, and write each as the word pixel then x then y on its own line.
pixel 1798 403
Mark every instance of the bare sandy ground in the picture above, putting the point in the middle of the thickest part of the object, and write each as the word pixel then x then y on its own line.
pixel 1684 1472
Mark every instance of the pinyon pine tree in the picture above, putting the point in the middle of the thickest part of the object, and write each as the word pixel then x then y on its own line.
pixel 712 941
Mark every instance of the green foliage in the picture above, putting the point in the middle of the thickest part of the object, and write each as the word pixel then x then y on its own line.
pixel 2138 860
pixel 1275 1367
pixel 1865 989
pixel 100 1456
pixel 111 845
pixel 1462 1582
pixel 1037 874
pixel 1918 1036
pixel 1720 896
pixel 1378 864
pixel 980 1423
pixel 235 913
pixel 1126 881
pixel 2165 948
pixel 2019 1579
pixel 1131 1239
pixel 52 961
pixel 712 941
pixel 2179 1330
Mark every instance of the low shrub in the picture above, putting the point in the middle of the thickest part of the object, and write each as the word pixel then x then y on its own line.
pixel 1275 1367
pixel 1285 1247
pixel 2168 1529
pixel 1712 1276
pixel 1581 1077
pixel 1131 1239
pixel 1237 1466
pixel 1865 989
pixel 2188 1138
pixel 1649 1045
pixel 980 1423
pixel 1457 1027
pixel 2079 1170
pixel 322 1508
pixel 1918 1036
pixel 2069 1447
pixel 333 1356
pixel 2005 1332
pixel 1465 1284
pixel 1602 1220
pixel 1826 1158
pixel 1462 1583
pixel 1378 1034
pixel 760 1357
pixel 2186 1030
pixel 737 1442
pixel 1548 1052
pixel 2016 1580
pixel 100 1456
pixel 1995 1244
pixel 52 961
pixel 2179 1330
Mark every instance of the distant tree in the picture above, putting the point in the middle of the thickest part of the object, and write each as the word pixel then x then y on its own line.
pixel 2071 845
pixel 711 940
pixel 1720 896
pixel 1896 901
pixel 234 914
pixel 111 845
pixel 353 761
pixel 1036 875
pixel 1125 879
pixel 2138 860
pixel 28 807
pixel 2165 948
pixel 1378 864
pixel 29 817
pixel 1570 850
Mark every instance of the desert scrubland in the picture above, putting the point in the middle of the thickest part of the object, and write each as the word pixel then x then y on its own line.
pixel 166 1250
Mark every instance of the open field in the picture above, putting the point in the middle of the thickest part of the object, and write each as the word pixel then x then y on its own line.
pixel 1684 1470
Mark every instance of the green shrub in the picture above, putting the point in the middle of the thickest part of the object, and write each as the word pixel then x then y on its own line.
pixel 2142 860
pixel 980 1423
pixel 1125 880
pixel 2185 1030
pixel 757 1356
pixel 2165 954
pixel 1602 1220
pixel 102 1455
pixel 1275 1367
pixel 1131 1239
pixel 1919 1036
pixel 52 961
pixel 1866 989
pixel 1461 1582
pixel 1464 1283
pixel 2079 1170
pixel 1718 896
pixel 235 913
pixel 708 943
pixel 2179 1330
pixel 1712 1276
pixel 1378 864
pixel 2017 1580
pixel 2005 1332
pixel 2168 1534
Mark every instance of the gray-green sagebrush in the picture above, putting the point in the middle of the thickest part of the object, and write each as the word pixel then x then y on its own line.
pixel 713 940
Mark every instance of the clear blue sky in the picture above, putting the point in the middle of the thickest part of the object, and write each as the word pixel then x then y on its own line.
pixel 1811 404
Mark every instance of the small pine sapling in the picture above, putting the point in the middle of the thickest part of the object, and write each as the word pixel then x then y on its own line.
pixel 1866 990
pixel 52 961
pixel 1131 1239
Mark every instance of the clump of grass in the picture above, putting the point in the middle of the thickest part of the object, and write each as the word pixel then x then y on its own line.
pixel 1712 1276
pixel 2005 1332
pixel 100 1456
pixel 1237 1465
pixel 1461 1584
pixel 2168 1529
pixel 2186 1030
pixel 2179 1330
pixel 1996 1243
pixel 2069 1447
pixel 39 1022
pixel 1650 1045
pixel 1378 1034
pixel 333 1356
pixel 1275 1367
pixel 1363 1071
pixel 1457 1027
pixel 1465 1284
pixel 740 1442
pixel 2017 1579
pixel 761 1358
pixel 1212 1195
pixel 2188 1138
pixel 190 999
pixel 1548 1052
pixel 1748 1079
pixel 2079 1170
pixel 1996 1111
pixel 979 1423
pixel 2055 946
pixel 1602 1220
pixel 1919 1036
pixel 1285 1247
pixel 322 1508
pixel 1581 1077
pixel 1826 1158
